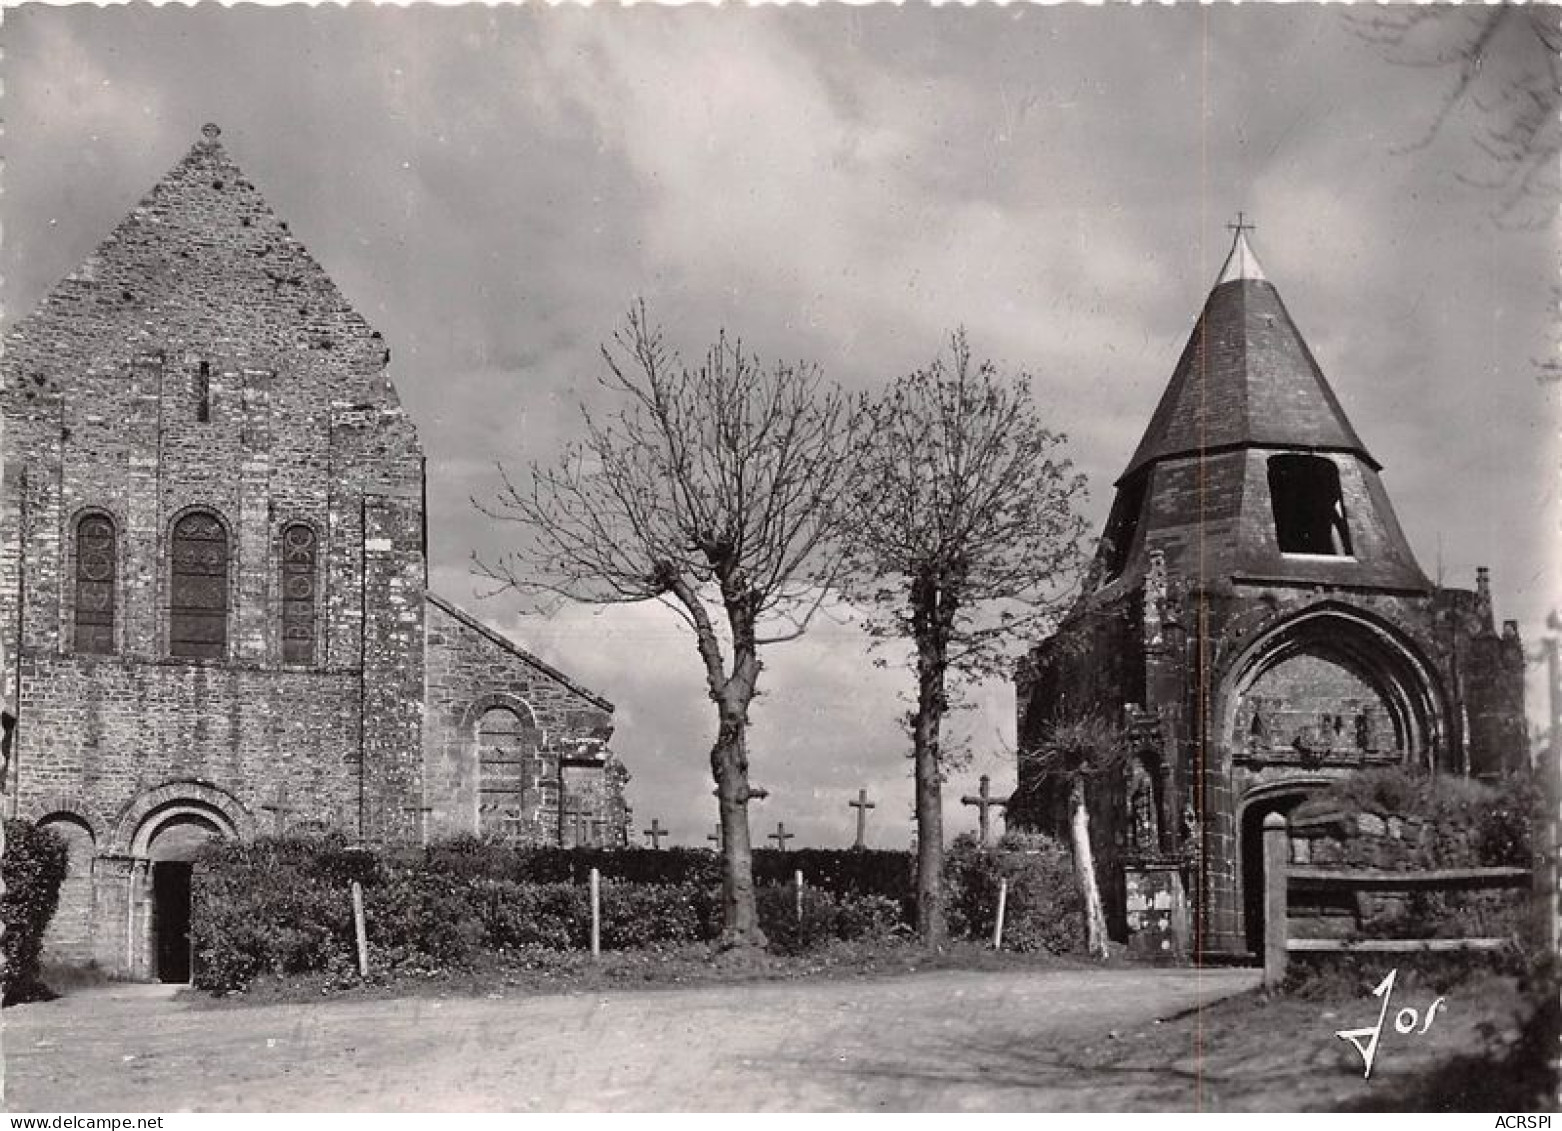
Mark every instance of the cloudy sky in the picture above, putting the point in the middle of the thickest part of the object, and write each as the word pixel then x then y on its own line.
pixel 492 187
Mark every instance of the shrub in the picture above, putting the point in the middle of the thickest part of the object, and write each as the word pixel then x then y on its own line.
pixel 1043 910
pixel 642 915
pixel 34 869
pixel 826 917
pixel 468 857
pixel 840 870
pixel 515 916
pixel 274 907
pixel 1464 823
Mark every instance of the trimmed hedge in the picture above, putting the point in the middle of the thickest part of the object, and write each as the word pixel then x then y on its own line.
pixel 841 870
pixel 34 868
pixel 281 907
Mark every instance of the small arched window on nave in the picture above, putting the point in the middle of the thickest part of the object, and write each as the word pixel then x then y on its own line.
pixel 506 745
pixel 97 570
pixel 299 585
pixel 198 605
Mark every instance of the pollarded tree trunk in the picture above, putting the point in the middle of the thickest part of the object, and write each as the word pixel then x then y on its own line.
pixel 732 695
pixel 1085 868
pixel 729 766
pixel 932 928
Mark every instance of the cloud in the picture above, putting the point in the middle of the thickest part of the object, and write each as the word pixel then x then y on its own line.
pixel 492 186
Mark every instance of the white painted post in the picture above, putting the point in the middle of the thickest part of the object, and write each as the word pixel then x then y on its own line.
pixel 360 930
pixel 797 878
pixel 596 914
pixel 1003 903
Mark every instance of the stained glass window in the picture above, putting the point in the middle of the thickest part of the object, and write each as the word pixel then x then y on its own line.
pixel 298 594
pixel 96 571
pixel 198 620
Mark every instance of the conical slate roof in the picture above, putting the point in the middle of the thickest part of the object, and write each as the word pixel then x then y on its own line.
pixel 1247 408
pixel 1245 379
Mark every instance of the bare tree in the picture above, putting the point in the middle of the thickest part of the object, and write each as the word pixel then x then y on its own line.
pixel 967 538
pixel 1504 89
pixel 1077 750
pixel 713 489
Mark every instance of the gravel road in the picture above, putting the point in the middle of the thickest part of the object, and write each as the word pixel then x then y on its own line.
pixel 953 1041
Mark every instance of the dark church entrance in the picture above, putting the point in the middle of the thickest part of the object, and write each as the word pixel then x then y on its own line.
pixel 175 845
pixel 171 919
pixel 1253 814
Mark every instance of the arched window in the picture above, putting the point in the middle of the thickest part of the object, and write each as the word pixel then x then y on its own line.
pixel 505 747
pixel 198 606
pixel 97 568
pixel 298 594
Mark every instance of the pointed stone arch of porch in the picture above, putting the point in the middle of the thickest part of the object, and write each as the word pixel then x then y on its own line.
pixel 1376 651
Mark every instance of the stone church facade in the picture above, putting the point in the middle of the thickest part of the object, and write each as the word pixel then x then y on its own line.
pixel 1255 613
pixel 213 581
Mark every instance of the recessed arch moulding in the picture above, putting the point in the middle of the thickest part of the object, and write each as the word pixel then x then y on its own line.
pixel 1330 689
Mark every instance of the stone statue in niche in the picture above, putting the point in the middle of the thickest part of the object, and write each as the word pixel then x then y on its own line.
pixel 1367 732
pixel 1144 831
pixel 1259 726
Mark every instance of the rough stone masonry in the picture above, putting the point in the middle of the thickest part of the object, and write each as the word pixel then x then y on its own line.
pixel 213 568
pixel 1258 619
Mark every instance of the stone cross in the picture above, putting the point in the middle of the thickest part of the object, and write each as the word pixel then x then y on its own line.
pixel 655 833
pixel 781 836
pixel 862 805
pixel 983 802
pixel 715 837
pixel 1241 226
pixel 279 808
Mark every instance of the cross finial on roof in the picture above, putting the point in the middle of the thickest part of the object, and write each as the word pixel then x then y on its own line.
pixel 1241 263
pixel 1241 225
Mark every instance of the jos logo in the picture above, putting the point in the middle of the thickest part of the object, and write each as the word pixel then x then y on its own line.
pixel 1405 1022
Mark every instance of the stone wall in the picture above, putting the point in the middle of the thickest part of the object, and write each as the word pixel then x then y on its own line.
pixel 201 361
pixel 1341 842
pixel 573 787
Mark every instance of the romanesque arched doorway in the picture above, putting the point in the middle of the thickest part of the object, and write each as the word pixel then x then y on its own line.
pixel 169 840
pixel 173 850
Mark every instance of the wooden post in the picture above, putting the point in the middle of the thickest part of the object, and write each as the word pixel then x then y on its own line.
pixel 1003 905
pixel 596 914
pixel 360 930
pixel 797 878
pixel 1277 852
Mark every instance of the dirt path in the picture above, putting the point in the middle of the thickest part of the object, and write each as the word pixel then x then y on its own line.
pixel 927 1041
